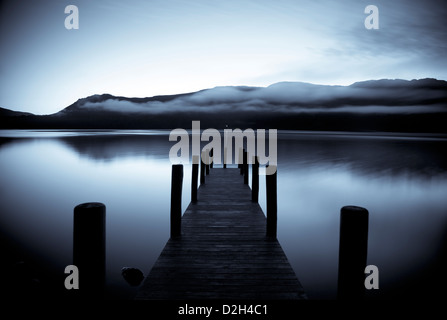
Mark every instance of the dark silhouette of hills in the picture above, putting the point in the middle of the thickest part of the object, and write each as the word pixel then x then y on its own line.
pixel 375 105
pixel 9 113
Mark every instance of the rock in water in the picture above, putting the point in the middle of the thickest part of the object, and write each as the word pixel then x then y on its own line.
pixel 133 276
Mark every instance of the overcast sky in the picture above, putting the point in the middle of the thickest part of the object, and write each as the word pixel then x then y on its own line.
pixel 142 48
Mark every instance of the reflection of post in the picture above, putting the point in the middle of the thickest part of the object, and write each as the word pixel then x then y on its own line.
pixel 272 207
pixel 352 252
pixel 202 168
pixel 245 164
pixel 176 200
pixel 255 180
pixel 89 243
pixel 194 178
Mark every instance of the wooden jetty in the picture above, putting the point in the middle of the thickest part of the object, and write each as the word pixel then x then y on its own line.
pixel 223 247
pixel 223 251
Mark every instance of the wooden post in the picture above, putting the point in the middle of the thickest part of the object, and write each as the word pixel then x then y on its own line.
pixel 202 168
pixel 272 207
pixel 255 180
pixel 211 157
pixel 194 178
pixel 245 164
pixel 352 252
pixel 241 160
pixel 176 200
pixel 89 248
pixel 225 158
pixel 207 162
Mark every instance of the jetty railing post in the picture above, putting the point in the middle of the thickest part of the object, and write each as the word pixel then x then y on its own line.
pixel 272 208
pixel 225 158
pixel 202 168
pixel 245 164
pixel 240 160
pixel 255 180
pixel 176 200
pixel 89 248
pixel 207 161
pixel 352 252
pixel 194 178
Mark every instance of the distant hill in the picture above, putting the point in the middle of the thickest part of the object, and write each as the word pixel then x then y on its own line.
pixel 375 105
pixel 10 113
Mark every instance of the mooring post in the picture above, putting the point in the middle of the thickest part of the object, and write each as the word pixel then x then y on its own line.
pixel 225 158
pixel 202 168
pixel 352 252
pixel 272 208
pixel 194 178
pixel 89 248
pixel 255 180
pixel 241 160
pixel 207 161
pixel 245 164
pixel 176 200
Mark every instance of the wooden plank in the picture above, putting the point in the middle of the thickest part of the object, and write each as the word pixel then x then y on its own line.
pixel 223 251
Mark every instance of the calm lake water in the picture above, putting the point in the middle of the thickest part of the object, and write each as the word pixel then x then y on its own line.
pixel 401 180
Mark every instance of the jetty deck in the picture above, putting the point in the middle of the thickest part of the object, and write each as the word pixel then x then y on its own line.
pixel 223 251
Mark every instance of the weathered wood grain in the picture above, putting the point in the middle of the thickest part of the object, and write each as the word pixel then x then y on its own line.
pixel 223 251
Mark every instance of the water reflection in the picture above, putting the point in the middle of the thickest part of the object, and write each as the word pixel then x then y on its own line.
pixel 401 181
pixel 107 148
pixel 43 179
pixel 365 154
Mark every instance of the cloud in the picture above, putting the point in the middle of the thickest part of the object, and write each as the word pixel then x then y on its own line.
pixel 382 96
pixel 406 27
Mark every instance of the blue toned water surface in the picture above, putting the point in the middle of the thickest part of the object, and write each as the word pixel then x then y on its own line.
pixel 400 179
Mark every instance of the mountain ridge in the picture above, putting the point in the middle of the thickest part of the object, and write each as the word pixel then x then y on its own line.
pixel 412 105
